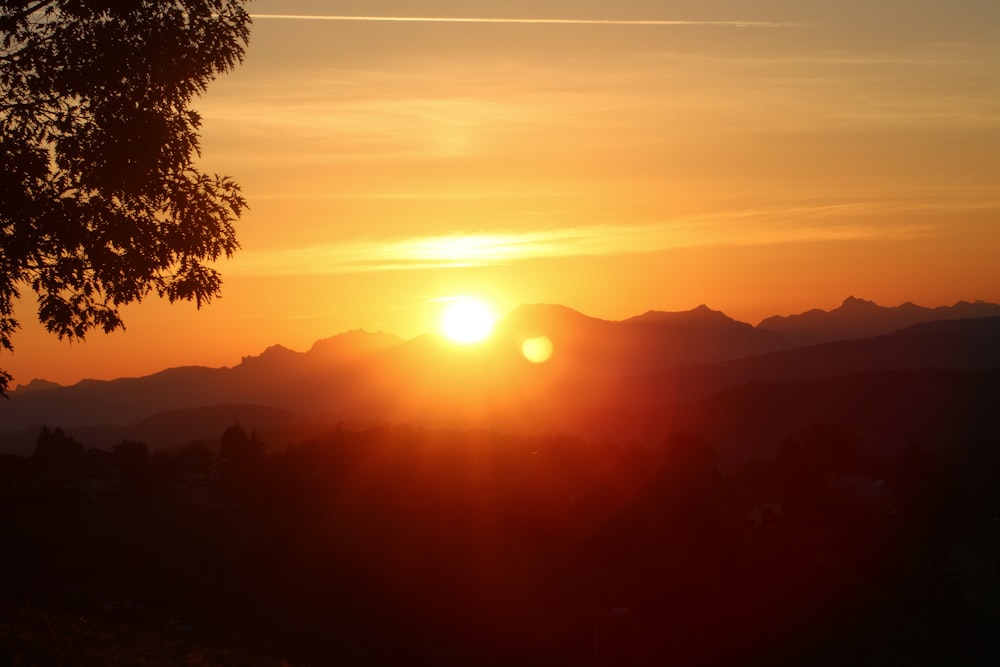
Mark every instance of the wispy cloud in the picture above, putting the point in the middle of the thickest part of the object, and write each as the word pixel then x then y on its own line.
pixel 458 250
pixel 531 21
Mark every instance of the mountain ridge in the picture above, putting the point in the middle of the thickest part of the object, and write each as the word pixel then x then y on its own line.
pixel 788 327
pixel 654 359
pixel 860 318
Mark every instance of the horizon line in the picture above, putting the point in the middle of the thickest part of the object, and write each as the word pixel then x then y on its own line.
pixel 514 20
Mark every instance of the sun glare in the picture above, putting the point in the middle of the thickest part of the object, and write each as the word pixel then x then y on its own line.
pixel 467 321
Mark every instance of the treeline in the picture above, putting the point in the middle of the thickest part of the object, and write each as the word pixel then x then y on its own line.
pixel 406 545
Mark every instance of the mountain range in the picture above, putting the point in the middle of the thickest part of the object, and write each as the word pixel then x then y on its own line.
pixel 635 379
pixel 858 318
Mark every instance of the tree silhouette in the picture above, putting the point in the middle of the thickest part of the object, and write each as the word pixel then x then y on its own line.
pixel 100 201
pixel 241 459
pixel 54 450
pixel 236 444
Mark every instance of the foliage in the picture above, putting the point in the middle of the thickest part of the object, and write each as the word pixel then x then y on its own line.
pixel 475 547
pixel 55 449
pixel 234 443
pixel 100 200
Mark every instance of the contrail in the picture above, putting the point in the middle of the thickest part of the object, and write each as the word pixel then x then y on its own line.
pixel 470 19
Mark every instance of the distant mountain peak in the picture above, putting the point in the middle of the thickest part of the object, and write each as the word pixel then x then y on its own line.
pixel 859 318
pixel 544 308
pixel 270 353
pixel 543 315
pixel 705 311
pixel 355 340
pixel 700 314
pixel 853 302
pixel 37 384
pixel 276 350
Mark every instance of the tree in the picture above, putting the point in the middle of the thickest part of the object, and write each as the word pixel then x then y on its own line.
pixel 100 200
pixel 237 445
pixel 54 450
pixel 241 462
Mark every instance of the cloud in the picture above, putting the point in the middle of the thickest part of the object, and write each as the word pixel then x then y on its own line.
pixel 458 250
pixel 532 21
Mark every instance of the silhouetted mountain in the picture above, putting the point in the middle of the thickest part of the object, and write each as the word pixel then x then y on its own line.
pixel 303 382
pixel 652 341
pixel 350 343
pixel 37 385
pixel 948 344
pixel 699 317
pixel 857 318
pixel 347 347
pixel 603 380
pixel 941 374
pixel 536 318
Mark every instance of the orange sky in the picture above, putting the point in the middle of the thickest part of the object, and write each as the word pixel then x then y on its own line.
pixel 820 150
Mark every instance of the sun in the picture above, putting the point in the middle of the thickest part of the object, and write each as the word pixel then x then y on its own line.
pixel 467 320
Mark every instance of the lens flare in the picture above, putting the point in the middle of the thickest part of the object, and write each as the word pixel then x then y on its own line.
pixel 537 350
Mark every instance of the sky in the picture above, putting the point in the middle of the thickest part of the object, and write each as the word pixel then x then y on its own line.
pixel 761 157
